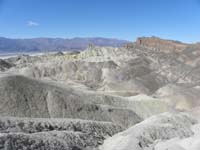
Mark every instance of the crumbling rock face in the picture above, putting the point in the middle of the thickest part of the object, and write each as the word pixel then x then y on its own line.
pixel 64 134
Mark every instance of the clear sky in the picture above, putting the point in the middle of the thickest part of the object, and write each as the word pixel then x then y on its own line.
pixel 122 19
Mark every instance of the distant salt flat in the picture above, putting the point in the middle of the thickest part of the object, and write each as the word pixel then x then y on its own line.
pixel 4 55
pixel 8 55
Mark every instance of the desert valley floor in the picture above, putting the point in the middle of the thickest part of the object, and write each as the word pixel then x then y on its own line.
pixel 143 96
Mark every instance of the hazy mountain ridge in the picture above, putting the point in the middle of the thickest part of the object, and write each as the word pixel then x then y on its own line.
pixel 55 44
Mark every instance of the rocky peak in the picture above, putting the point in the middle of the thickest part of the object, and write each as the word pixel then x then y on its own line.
pixel 161 44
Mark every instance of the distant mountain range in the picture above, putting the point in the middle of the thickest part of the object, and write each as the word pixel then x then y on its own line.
pixel 55 44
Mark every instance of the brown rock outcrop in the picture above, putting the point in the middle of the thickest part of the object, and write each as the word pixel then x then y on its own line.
pixel 161 44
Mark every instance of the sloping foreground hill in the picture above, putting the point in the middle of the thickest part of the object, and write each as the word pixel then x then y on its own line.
pixel 25 97
pixel 190 143
pixel 145 135
pixel 103 115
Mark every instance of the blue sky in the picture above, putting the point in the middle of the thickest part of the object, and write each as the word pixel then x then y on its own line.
pixel 122 19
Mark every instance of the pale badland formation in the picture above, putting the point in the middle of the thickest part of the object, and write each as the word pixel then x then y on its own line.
pixel 144 95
